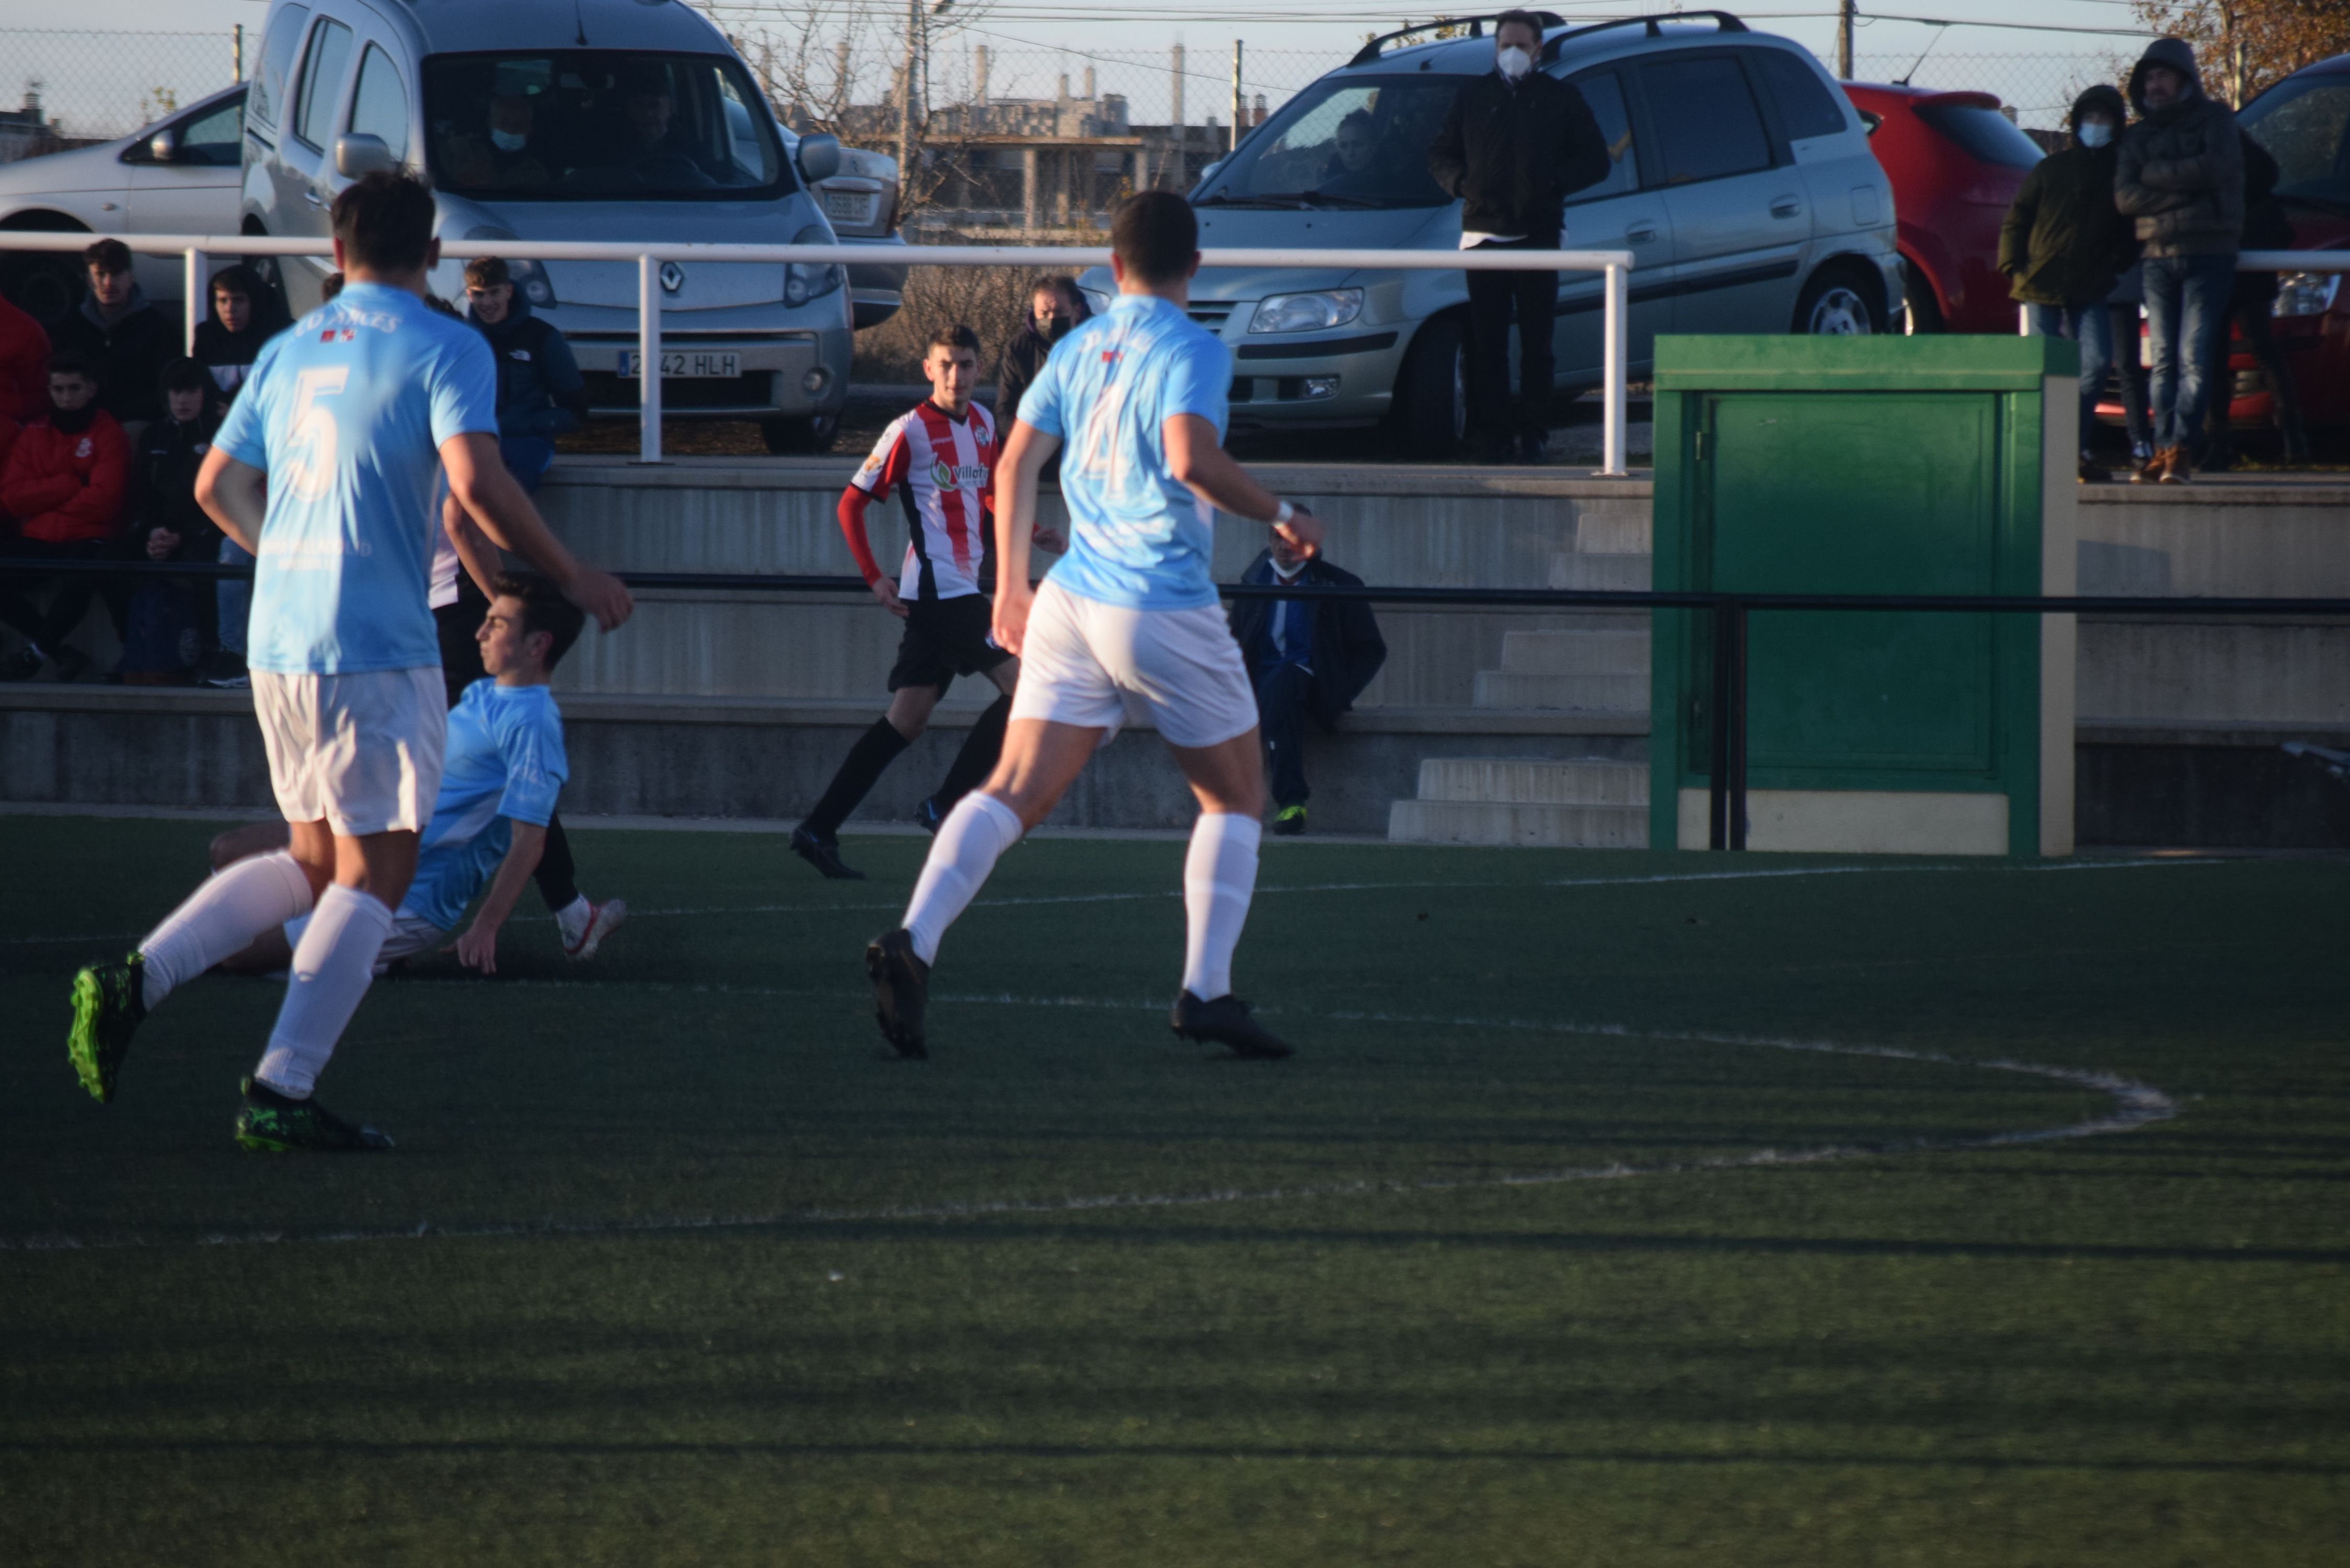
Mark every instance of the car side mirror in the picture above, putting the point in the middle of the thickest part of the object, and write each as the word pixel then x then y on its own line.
pixel 819 158
pixel 358 155
pixel 162 148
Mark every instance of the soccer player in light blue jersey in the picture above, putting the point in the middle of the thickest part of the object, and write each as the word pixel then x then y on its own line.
pixel 500 774
pixel 1126 625
pixel 325 472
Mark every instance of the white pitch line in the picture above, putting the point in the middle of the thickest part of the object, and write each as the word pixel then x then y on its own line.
pixel 2135 1105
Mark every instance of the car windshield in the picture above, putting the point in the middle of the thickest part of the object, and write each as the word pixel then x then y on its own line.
pixel 586 125
pixel 1988 136
pixel 1345 142
pixel 2303 125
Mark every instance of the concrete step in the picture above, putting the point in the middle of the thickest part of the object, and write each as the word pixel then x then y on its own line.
pixel 1601 570
pixel 1574 652
pixel 1534 781
pixel 1584 693
pixel 1533 826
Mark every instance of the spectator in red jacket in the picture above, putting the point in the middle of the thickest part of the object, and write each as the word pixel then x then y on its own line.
pixel 64 483
pixel 23 368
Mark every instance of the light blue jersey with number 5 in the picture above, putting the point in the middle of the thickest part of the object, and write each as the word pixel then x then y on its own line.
pixel 346 412
pixel 1137 536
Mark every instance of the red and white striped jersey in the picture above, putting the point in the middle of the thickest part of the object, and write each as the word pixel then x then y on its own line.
pixel 944 470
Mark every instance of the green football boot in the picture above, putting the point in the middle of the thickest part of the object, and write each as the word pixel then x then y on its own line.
pixel 110 1002
pixel 270 1123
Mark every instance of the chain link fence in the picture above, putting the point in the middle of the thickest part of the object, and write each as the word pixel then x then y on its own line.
pixel 63 88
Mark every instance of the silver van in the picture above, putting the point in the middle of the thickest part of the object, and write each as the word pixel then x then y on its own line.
pixel 570 119
pixel 1740 179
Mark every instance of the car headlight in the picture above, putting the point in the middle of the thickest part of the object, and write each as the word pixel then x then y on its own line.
pixel 803 281
pixel 1096 302
pixel 1308 312
pixel 529 277
pixel 2306 293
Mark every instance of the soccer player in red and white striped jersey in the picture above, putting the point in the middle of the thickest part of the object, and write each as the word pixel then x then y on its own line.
pixel 938 459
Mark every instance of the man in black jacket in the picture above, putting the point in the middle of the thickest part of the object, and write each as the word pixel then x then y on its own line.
pixel 1056 306
pixel 166 523
pixel 123 335
pixel 1516 143
pixel 1302 658
pixel 541 393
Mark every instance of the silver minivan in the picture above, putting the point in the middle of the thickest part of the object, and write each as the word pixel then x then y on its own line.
pixel 1740 178
pixel 570 119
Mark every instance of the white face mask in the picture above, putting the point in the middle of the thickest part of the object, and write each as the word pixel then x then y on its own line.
pixel 1515 62
pixel 2095 133
pixel 508 140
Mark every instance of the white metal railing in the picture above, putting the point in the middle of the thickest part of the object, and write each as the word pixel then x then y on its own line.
pixel 1615 266
pixel 2246 261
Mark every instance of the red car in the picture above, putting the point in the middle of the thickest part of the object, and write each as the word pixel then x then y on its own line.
pixel 1956 162
pixel 2302 122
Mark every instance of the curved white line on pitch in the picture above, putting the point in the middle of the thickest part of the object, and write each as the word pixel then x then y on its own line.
pixel 2134 1104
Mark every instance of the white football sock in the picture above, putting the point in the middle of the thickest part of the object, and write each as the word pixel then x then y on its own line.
pixel 975 833
pixel 573 918
pixel 1219 877
pixel 239 903
pixel 333 966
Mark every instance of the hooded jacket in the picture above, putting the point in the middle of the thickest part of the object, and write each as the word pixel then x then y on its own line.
pixel 1023 357
pixel 129 352
pixel 1514 153
pixel 66 478
pixel 229 356
pixel 163 486
pixel 2181 170
pixel 2063 242
pixel 540 390
pixel 24 366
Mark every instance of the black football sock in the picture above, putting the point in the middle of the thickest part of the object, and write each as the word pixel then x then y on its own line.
pixel 556 876
pixel 977 759
pixel 874 750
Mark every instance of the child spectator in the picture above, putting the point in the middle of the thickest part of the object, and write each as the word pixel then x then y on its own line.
pixel 541 393
pixel 64 483
pixel 124 341
pixel 229 341
pixel 23 369
pixel 166 524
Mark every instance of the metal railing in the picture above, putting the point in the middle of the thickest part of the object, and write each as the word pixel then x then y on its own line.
pixel 1728 610
pixel 1614 266
pixel 2246 261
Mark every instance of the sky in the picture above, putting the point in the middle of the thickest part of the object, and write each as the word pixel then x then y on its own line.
pixel 2023 66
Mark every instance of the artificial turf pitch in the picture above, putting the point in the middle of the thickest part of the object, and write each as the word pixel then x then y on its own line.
pixel 671 1266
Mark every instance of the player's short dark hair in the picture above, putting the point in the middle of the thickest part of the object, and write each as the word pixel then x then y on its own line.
pixel 957 336
pixel 1524 18
pixel 544 609
pixel 74 362
pixel 330 285
pixel 236 279
pixel 108 256
pixel 1155 234
pixel 185 375
pixel 385 221
pixel 486 272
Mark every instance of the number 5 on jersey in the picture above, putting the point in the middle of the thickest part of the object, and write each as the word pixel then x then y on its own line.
pixel 311 435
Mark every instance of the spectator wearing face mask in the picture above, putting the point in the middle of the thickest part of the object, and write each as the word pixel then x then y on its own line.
pixel 2064 244
pixel 229 341
pixel 1053 309
pixel 1517 142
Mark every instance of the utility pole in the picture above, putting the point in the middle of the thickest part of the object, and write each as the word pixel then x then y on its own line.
pixel 1844 39
pixel 236 53
pixel 1239 100
pixel 906 147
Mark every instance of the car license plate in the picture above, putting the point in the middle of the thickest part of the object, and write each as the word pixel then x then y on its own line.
pixel 856 206
pixel 688 365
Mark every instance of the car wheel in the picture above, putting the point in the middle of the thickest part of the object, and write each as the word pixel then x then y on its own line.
pixel 1835 303
pixel 1925 311
pixel 1432 394
pixel 802 436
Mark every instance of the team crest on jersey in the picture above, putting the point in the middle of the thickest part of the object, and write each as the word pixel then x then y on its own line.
pixel 85 449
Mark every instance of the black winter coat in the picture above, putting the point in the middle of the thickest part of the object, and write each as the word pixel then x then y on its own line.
pixel 229 356
pixel 2063 242
pixel 129 353
pixel 1515 154
pixel 163 466
pixel 1348 647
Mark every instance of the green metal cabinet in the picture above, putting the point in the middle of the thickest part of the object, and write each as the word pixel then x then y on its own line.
pixel 1870 465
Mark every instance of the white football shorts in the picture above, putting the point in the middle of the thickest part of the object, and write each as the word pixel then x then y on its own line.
pixel 410 934
pixel 361 750
pixel 1097 666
